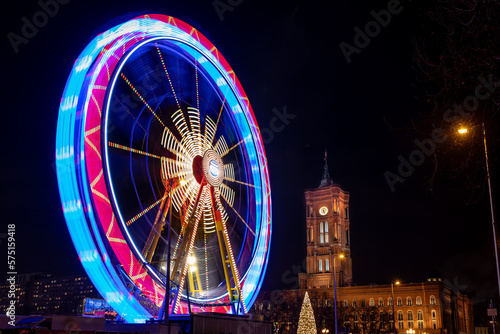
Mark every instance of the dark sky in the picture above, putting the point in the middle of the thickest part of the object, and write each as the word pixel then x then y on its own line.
pixel 286 55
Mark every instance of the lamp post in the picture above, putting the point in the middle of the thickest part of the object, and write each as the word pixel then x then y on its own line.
pixel 462 131
pixel 393 314
pixel 335 287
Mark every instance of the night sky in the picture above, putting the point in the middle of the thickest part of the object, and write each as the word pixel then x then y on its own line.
pixel 287 56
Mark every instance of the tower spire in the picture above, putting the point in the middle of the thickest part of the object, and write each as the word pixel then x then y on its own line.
pixel 326 181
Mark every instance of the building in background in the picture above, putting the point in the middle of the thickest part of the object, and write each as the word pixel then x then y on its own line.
pixel 39 293
pixel 430 307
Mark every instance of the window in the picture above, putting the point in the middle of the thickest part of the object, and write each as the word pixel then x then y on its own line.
pixel 380 302
pixel 400 320
pixel 420 320
pixel 353 303
pixel 434 321
pixel 389 301
pixel 363 303
pixel 419 301
pixel 346 303
pixel 410 319
pixel 355 318
pixel 433 300
pixel 327 265
pixel 323 232
pixel 381 320
pixel 320 265
pixel 400 302
pixel 372 302
pixel 408 301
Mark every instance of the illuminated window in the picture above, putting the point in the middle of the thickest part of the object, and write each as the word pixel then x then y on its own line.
pixel 433 300
pixel 372 302
pixel 389 301
pixel 420 320
pixel 419 301
pixel 327 265
pixel 320 266
pixel 408 301
pixel 410 319
pixel 354 303
pixel 323 232
pixel 380 302
pixel 400 320
pixel 346 303
pixel 400 302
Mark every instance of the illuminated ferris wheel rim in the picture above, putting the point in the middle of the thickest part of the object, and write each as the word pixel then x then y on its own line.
pixel 82 214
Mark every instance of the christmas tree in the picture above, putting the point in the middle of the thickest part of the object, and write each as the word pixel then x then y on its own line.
pixel 307 324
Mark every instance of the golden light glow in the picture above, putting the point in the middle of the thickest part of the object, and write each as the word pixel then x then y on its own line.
pixel 397 282
pixel 192 269
pixel 191 260
pixel 462 131
pixel 183 183
pixel 341 256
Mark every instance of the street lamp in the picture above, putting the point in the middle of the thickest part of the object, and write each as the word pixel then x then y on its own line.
pixel 463 130
pixel 335 287
pixel 324 330
pixel 393 315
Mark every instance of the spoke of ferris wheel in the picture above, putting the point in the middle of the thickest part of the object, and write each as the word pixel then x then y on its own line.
pixel 226 251
pixel 168 75
pixel 141 98
pixel 166 129
pixel 154 235
pixel 241 218
pixel 146 210
pixel 232 148
pixel 218 117
pixel 133 150
pixel 186 248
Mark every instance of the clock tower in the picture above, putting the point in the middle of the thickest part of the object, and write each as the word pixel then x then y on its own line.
pixel 328 236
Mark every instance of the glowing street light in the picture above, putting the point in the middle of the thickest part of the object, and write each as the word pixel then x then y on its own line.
pixel 393 316
pixel 463 130
pixel 335 287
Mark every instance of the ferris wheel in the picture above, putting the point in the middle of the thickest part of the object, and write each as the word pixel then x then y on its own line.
pixel 162 173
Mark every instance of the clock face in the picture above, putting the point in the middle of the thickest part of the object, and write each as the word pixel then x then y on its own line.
pixel 323 210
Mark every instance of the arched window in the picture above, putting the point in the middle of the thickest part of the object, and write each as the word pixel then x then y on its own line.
pixel 363 303
pixel 410 319
pixel 419 300
pixel 420 319
pixel 400 302
pixel 400 320
pixel 389 301
pixel 372 302
pixel 434 321
pixel 354 304
pixel 327 265
pixel 346 303
pixel 408 301
pixel 380 302
pixel 320 266
pixel 433 300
